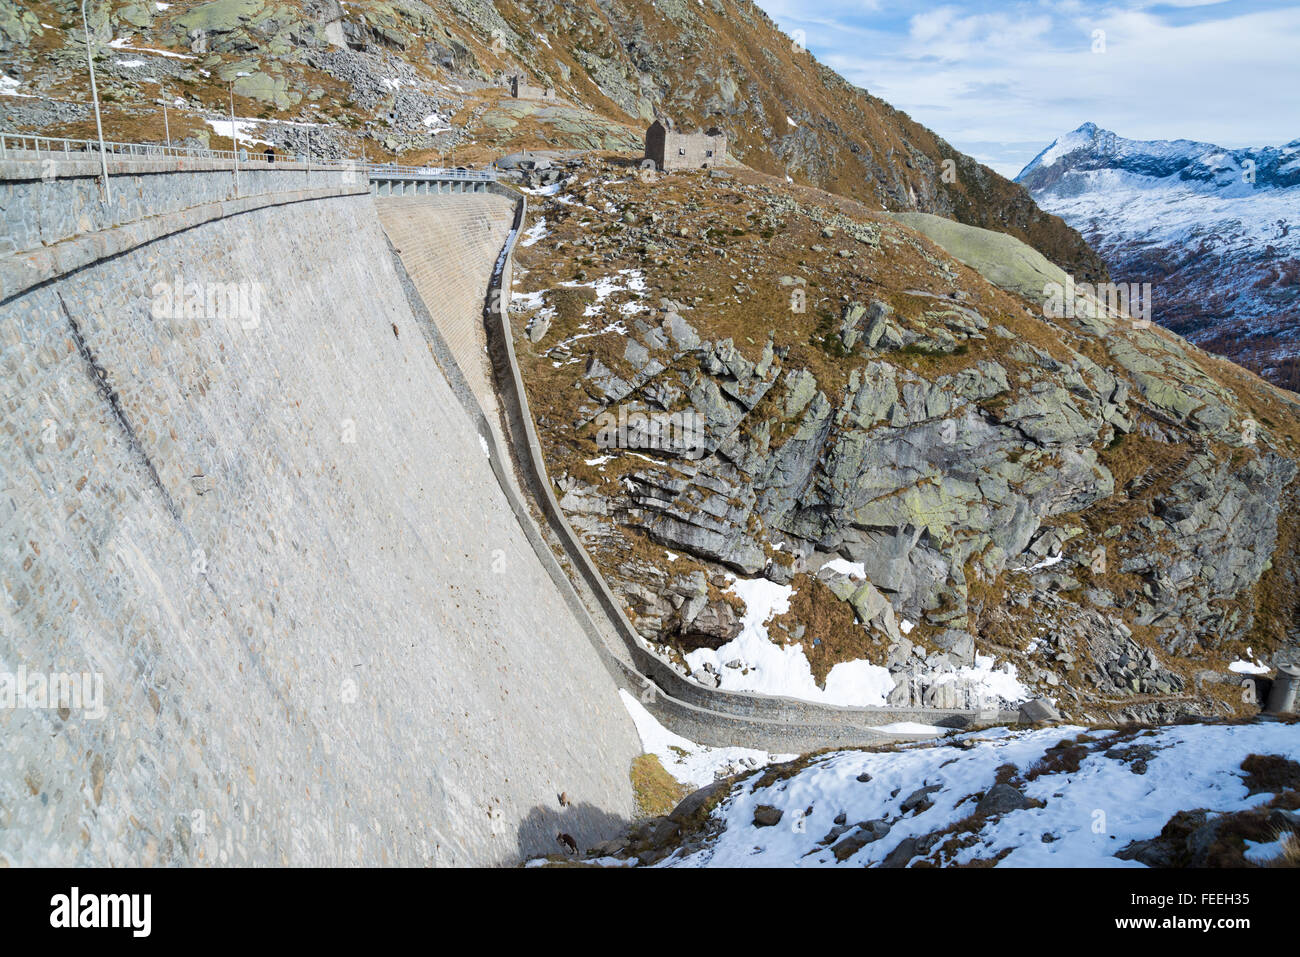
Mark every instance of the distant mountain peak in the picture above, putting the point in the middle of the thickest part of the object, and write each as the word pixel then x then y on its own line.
pixel 1203 167
pixel 1215 229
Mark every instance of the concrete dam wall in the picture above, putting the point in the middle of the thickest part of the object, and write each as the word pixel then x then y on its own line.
pixel 243 499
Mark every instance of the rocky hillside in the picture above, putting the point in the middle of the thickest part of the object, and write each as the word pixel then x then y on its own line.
pixel 420 80
pixel 1213 230
pixel 1222 795
pixel 907 486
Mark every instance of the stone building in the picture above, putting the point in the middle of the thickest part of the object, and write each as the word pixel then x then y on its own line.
pixel 671 149
pixel 521 89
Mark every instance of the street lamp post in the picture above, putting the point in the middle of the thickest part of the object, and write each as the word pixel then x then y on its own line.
pixel 94 93
pixel 234 136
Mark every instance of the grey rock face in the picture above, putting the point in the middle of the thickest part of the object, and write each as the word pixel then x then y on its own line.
pixel 976 495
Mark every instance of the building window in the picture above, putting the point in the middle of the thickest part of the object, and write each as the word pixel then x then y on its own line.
pixel 708 152
pixel 681 151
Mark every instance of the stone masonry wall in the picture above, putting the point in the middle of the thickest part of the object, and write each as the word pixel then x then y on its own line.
pixel 45 200
pixel 322 636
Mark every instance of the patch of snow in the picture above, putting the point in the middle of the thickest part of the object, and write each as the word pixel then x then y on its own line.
pixel 123 43
pixel 487 449
pixel 1263 852
pixel 240 128
pixel 1251 667
pixel 553 189
pixel 985 681
pixel 694 765
pixel 535 233
pixel 130 63
pixel 1050 562
pixel 842 566
pixel 436 123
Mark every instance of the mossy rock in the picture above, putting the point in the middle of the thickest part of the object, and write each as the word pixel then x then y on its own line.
pixel 1001 259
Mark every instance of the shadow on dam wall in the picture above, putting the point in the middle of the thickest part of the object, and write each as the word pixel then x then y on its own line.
pixel 545 825
pixel 270 537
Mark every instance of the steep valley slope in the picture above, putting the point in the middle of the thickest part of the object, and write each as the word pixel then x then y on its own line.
pixel 939 481
pixel 419 80
pixel 914 488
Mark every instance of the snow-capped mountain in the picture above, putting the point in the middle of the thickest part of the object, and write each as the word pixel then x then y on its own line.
pixel 1216 231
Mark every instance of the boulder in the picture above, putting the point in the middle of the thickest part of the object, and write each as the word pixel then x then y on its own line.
pixel 1038 710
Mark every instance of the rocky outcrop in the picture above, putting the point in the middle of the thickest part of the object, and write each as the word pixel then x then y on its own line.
pixel 1083 496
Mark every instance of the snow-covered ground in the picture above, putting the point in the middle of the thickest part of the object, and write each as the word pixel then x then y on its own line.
pixel 535 233
pixel 753 662
pixel 1114 797
pixel 241 128
pixel 695 765
pixel 124 43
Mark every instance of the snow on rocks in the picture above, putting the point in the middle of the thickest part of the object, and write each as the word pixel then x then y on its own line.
pixel 1075 806
pixel 753 662
pixel 1251 667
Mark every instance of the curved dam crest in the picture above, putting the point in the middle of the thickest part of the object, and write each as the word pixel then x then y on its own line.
pixel 273 486
pixel 323 636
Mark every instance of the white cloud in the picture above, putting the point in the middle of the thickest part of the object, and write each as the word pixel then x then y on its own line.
pixel 1001 80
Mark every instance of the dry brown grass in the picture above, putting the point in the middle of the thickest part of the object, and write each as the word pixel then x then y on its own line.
pixel 655 791
pixel 832 633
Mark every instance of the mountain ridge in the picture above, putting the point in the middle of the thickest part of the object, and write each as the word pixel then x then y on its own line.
pixel 393 72
pixel 1212 229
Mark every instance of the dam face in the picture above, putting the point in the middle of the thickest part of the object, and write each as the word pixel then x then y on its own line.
pixel 239 496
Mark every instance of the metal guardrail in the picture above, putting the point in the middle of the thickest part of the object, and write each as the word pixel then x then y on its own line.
pixel 57 146
pixel 393 171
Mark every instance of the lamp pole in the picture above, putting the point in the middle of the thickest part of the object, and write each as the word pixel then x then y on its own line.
pixel 94 93
pixel 234 136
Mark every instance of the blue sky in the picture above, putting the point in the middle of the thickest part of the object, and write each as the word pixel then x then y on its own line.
pixel 1001 79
